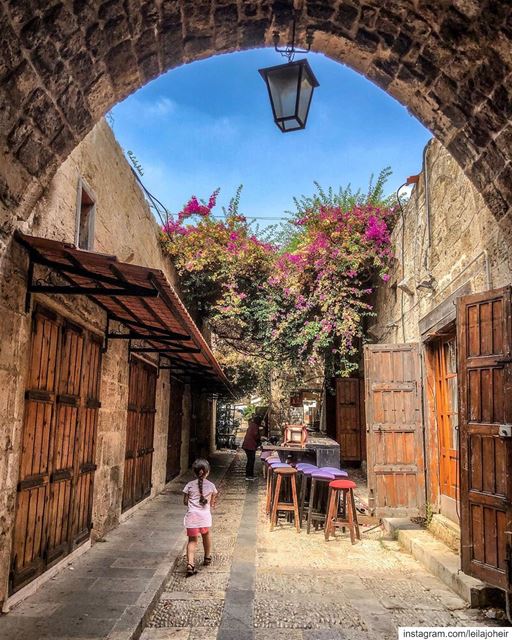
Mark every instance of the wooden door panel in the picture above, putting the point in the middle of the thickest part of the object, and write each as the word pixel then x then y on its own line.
pixel 484 348
pixel 139 433
pixel 29 546
pixel 85 465
pixel 349 422
pixel 65 439
pixel 174 432
pixel 50 491
pixel 394 430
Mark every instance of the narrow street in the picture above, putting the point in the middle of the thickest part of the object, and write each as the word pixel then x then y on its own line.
pixel 263 582
pixel 260 581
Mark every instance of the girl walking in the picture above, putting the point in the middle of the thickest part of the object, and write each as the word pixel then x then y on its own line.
pixel 200 496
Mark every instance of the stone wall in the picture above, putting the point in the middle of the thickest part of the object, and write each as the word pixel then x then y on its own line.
pixel 64 64
pixel 469 251
pixel 124 227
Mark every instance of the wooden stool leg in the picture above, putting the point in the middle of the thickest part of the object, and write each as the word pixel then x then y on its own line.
pixel 270 478
pixel 344 506
pixel 330 513
pixel 295 504
pixel 302 497
pixel 351 521
pixel 311 501
pixel 277 491
pixel 354 511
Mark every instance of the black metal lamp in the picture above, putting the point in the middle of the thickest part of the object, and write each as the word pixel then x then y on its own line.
pixel 290 86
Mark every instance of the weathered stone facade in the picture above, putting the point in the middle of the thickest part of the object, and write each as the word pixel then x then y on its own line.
pixel 447 245
pixel 124 227
pixel 469 250
pixel 63 64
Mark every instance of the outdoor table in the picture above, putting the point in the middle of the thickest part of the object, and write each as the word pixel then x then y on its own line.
pixel 319 449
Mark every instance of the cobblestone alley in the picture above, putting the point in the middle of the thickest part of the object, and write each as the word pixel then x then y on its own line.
pixel 264 581
pixel 259 583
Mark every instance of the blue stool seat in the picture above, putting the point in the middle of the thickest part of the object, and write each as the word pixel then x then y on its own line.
pixel 338 473
pixel 305 465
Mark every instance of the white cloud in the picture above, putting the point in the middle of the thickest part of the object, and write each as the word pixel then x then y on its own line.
pixel 162 107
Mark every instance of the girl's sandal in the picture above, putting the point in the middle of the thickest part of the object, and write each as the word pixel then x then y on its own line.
pixel 207 561
pixel 191 570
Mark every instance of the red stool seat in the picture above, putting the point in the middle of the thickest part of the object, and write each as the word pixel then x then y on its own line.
pixel 342 484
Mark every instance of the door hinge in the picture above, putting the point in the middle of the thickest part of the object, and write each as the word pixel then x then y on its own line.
pixel 508 556
pixel 505 431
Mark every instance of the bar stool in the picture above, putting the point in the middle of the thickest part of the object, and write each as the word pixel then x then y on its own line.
pixel 305 489
pixel 265 457
pixel 270 482
pixel 304 469
pixel 319 479
pixel 349 519
pixel 279 503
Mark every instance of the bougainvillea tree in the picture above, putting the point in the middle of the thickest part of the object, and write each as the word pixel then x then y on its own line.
pixel 292 305
pixel 323 280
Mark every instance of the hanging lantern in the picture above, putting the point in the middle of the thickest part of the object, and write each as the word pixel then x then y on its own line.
pixel 290 88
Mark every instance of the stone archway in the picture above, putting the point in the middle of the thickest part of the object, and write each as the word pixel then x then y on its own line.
pixel 64 63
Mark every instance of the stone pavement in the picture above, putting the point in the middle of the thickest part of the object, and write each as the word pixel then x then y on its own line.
pixel 262 583
pixel 259 583
pixel 106 593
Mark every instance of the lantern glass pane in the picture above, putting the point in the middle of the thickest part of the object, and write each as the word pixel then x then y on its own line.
pixel 306 92
pixel 290 125
pixel 283 84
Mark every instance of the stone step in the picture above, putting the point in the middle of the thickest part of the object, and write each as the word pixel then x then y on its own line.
pixel 445 530
pixel 439 559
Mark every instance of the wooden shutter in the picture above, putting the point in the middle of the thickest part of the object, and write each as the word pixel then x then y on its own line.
pixel 54 501
pixel 85 463
pixel 147 432
pixel 67 412
pixel 395 447
pixel 29 549
pixel 139 432
pixel 174 432
pixel 350 427
pixel 485 419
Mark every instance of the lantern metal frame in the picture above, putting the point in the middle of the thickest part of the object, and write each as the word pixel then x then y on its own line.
pixel 289 52
pixel 304 68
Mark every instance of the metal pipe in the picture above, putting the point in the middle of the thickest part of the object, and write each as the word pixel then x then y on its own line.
pixel 427 209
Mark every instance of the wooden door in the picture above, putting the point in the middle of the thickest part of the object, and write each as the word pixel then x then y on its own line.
pixel 29 549
pixel 85 459
pixel 174 432
pixel 67 411
pixel 447 416
pixel 350 427
pixel 485 418
pixel 395 450
pixel 51 493
pixel 139 432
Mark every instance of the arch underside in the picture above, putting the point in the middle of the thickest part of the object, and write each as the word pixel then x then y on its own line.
pixel 63 64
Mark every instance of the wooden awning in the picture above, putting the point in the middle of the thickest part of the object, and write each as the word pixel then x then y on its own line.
pixel 140 298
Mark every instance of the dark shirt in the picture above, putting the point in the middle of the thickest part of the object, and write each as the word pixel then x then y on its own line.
pixel 252 437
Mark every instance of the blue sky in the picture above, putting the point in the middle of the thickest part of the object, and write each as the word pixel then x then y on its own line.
pixel 209 124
